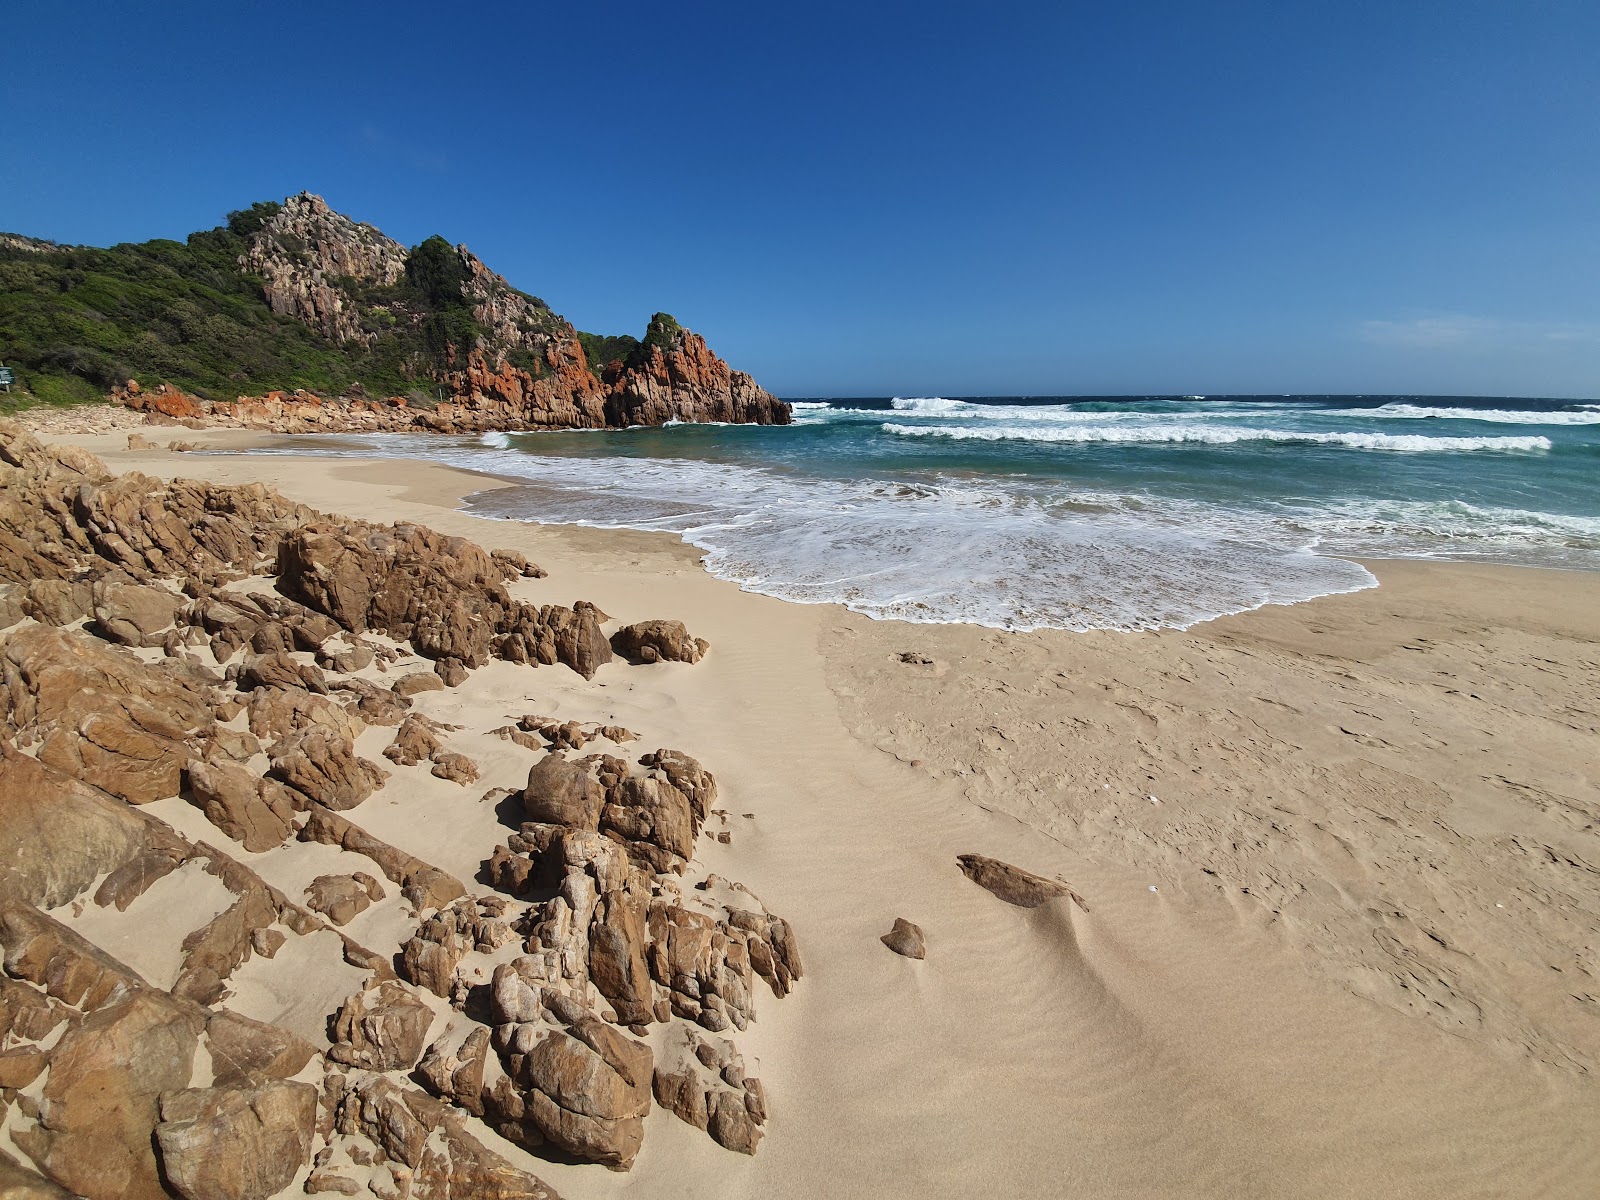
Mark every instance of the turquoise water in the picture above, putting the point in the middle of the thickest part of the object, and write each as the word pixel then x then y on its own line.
pixel 1122 513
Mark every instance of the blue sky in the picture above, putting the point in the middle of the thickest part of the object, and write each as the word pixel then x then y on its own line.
pixel 912 198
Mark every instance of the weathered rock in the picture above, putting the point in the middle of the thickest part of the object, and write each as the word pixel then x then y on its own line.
pixel 424 885
pixel 106 718
pixel 236 1143
pixel 653 819
pixel 211 952
pixel 416 682
pixel 617 966
pixel 99 1104
pixel 587 1090
pixel 133 615
pixel 323 767
pixel 906 939
pixel 254 812
pixel 58 601
pixel 341 898
pixel 658 641
pixel 242 1048
pixel 277 713
pixel 58 834
pixel 562 792
pixel 414 742
pixel 430 1142
pixel 457 1075
pixel 1011 884
pixel 72 970
pixel 384 1029
pixel 280 670
pixel 19 1183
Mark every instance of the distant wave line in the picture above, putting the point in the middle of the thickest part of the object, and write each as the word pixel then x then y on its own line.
pixel 1225 435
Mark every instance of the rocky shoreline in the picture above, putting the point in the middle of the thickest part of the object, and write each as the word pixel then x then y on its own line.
pixel 188 670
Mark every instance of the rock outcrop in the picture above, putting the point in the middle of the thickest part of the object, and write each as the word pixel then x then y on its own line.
pixel 165 640
pixel 523 368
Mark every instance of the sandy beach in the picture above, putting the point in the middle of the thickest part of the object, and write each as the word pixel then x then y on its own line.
pixel 1337 863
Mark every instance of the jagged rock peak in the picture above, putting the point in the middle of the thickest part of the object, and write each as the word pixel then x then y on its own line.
pixel 305 249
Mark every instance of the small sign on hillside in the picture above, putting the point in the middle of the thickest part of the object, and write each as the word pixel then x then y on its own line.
pixel 7 377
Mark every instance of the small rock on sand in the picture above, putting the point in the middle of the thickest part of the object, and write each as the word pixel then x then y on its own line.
pixel 906 939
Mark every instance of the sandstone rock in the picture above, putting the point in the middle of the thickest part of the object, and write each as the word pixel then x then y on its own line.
pixel 658 641
pixel 277 713
pixel 106 718
pixel 516 566
pixel 587 1090
pixel 617 965
pixel 417 681
pixel 323 767
pixel 906 939
pixel 560 792
pixel 1011 884
pixel 99 1104
pixel 653 819
pixel 254 812
pixel 457 768
pixel 58 601
pixel 279 670
pixel 413 743
pixel 19 1183
pixel 384 1029
pixel 341 898
pixel 679 378
pixel 133 615
pixel 59 834
pixel 430 1141
pixel 236 1143
pixel 424 885
pixel 72 970
pixel 242 1049
pixel 211 952
pixel 457 1075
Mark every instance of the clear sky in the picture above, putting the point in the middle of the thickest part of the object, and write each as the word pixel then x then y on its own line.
pixel 894 197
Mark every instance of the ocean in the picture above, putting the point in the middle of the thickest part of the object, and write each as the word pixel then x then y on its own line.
pixel 1076 513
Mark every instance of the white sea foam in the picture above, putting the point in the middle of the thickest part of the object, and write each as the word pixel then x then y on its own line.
pixel 1003 551
pixel 937 404
pixel 1451 529
pixel 498 441
pixel 1220 435
pixel 803 405
pixel 1498 416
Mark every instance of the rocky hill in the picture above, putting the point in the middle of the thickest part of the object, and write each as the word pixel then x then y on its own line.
pixel 298 299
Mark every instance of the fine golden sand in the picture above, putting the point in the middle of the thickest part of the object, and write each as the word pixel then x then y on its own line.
pixel 1340 862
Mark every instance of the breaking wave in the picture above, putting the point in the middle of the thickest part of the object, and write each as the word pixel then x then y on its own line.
pixel 1590 414
pixel 1222 435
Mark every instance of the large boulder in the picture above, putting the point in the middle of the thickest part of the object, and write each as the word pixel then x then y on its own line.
pixel 236 1143
pixel 106 717
pixel 133 614
pixel 658 641
pixel 563 792
pixel 384 1029
pixel 585 1087
pixel 252 811
pixel 323 767
pixel 99 1106
pixel 242 1049
pixel 59 834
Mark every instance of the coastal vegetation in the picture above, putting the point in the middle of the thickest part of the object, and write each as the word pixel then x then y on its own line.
pixel 76 321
